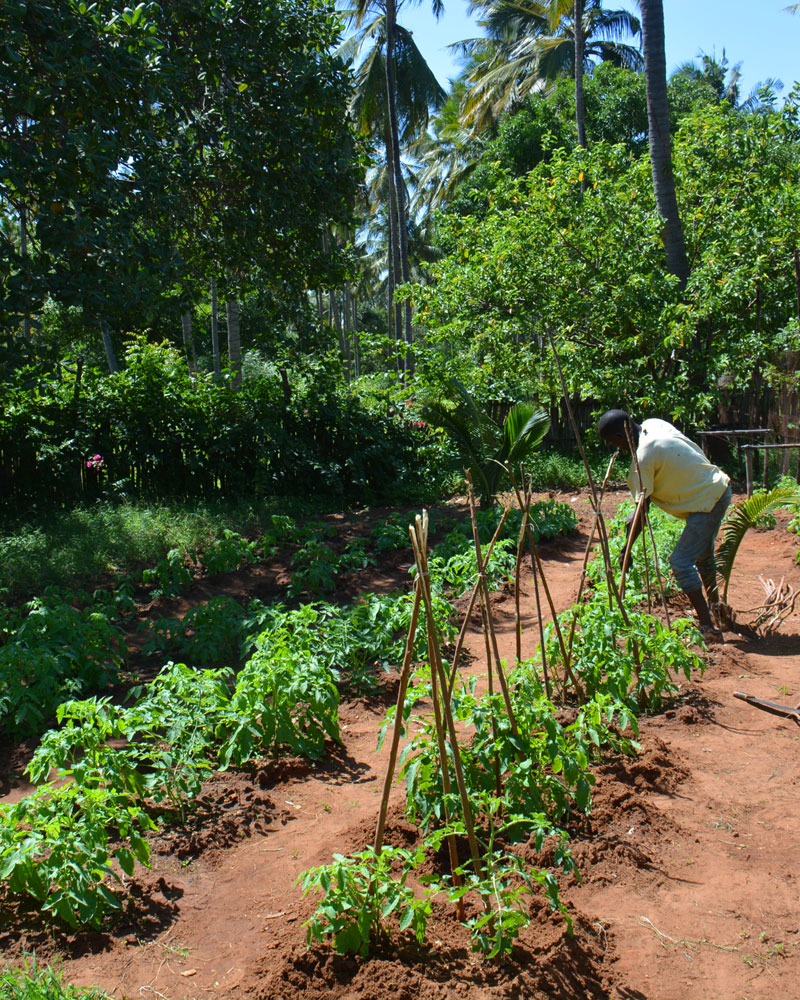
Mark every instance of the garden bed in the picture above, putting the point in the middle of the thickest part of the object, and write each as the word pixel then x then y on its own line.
pixel 687 886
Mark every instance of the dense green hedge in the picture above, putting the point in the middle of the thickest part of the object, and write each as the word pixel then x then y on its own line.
pixel 157 430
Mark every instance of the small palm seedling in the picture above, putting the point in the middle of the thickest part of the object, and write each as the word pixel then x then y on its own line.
pixel 747 513
pixel 485 445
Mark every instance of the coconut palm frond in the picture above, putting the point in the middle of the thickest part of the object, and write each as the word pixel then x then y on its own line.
pixel 460 424
pixel 744 515
pixel 524 429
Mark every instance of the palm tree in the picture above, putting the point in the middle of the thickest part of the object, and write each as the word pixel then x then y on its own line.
pixel 604 25
pixel 409 91
pixel 530 43
pixel 448 155
pixel 713 72
pixel 724 81
pixel 655 71
pixel 743 516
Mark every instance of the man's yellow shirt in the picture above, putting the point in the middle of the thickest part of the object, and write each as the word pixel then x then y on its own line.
pixel 676 475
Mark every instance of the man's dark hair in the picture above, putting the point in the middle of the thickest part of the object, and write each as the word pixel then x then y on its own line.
pixel 613 422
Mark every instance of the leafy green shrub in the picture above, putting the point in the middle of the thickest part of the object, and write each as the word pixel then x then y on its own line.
pixel 360 893
pixel 216 632
pixel 209 634
pixel 163 432
pixel 314 569
pixel 666 532
pixel 285 700
pixel 505 885
pixel 605 653
pixel 548 519
pixel 171 574
pixel 54 846
pixel 557 468
pixel 226 554
pixel 543 770
pixel 55 653
pixel 391 533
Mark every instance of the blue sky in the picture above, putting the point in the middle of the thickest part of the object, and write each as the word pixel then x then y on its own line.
pixel 760 35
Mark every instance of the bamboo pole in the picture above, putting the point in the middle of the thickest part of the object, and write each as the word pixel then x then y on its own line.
pixel 517 587
pixel 488 610
pixel 418 535
pixel 542 646
pixel 419 538
pixel 534 551
pixel 405 674
pixel 612 585
pixel 475 591
pixel 588 549
pixel 626 556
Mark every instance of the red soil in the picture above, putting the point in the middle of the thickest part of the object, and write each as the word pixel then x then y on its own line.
pixel 688 887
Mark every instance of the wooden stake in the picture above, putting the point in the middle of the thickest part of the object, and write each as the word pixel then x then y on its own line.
pixel 587 550
pixel 488 610
pixel 534 551
pixel 436 668
pixel 405 674
pixel 475 591
pixel 612 585
pixel 626 556
pixel 542 647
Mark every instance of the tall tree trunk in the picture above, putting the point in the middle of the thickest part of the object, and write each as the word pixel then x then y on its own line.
pixel 346 330
pixel 188 341
pixel 215 330
pixel 580 47
pixel 655 72
pixel 234 343
pixel 394 151
pixel 796 256
pixel 354 327
pixel 111 357
pixel 393 259
pixel 23 252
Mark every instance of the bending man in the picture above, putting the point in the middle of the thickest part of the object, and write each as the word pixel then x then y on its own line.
pixel 679 479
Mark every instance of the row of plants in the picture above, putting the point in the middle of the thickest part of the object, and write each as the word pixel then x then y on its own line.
pixel 64 646
pixel 111 774
pixel 527 766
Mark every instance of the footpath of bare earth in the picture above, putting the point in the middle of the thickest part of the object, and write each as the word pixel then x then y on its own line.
pixel 689 871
